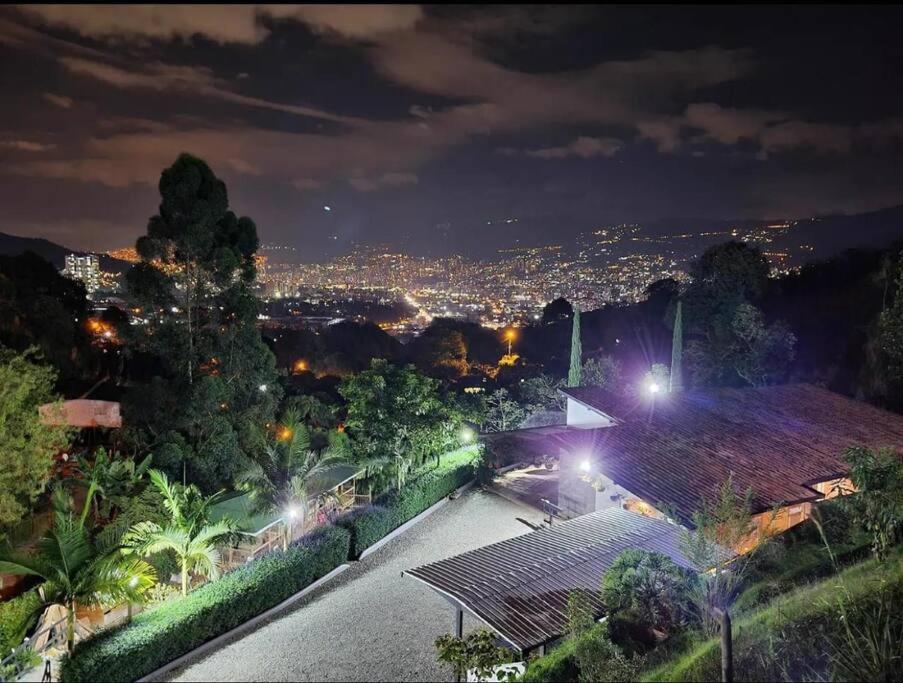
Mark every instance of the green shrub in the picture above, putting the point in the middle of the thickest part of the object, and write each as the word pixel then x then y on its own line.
pixel 648 588
pixel 560 664
pixel 366 525
pixel 430 485
pixel 16 617
pixel 158 636
pixel 427 486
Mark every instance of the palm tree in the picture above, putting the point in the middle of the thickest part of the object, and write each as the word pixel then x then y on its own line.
pixel 189 535
pixel 111 480
pixel 79 568
pixel 278 480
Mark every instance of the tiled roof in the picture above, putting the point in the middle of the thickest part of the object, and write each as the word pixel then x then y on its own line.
pixel 674 449
pixel 520 587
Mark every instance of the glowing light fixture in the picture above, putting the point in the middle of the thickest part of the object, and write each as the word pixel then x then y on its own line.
pixel 262 387
pixel 585 465
pixel 467 434
pixel 653 387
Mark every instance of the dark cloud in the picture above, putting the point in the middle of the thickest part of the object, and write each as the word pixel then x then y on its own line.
pixel 412 116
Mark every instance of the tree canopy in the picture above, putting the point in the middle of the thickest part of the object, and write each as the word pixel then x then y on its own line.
pixel 27 445
pixel 214 385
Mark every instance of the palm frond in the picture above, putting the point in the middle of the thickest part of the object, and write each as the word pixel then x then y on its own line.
pixel 170 499
pixel 147 538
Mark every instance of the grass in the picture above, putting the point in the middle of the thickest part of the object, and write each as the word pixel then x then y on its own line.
pixel 792 637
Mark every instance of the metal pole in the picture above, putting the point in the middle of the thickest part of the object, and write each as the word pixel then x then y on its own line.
pixel 459 632
pixel 727 648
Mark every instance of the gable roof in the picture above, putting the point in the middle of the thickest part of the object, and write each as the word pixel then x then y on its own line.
pixel 674 449
pixel 520 587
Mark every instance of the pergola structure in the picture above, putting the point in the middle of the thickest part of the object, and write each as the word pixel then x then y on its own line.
pixel 520 587
pixel 333 491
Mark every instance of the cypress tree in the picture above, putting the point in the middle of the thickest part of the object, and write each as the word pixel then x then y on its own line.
pixel 576 351
pixel 677 351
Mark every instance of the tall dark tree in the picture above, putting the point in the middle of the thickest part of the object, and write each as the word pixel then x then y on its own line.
pixel 576 352
pixel 41 308
pixel 731 342
pixel 215 385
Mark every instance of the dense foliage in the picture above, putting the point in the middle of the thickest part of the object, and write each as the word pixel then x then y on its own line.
pixel 429 485
pixel 397 414
pixel 41 308
pixel 649 589
pixel 16 616
pixel 77 566
pixel 159 636
pixel 205 383
pixel 27 445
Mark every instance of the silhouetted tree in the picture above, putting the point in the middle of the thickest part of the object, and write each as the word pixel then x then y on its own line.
pixel 559 309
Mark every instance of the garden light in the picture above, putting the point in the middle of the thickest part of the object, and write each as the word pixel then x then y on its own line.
pixel 262 387
pixel 467 434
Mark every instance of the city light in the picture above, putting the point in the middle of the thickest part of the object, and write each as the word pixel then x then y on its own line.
pixel 510 336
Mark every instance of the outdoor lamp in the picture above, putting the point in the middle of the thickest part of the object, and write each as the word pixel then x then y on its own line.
pixel 585 465
pixel 466 434
pixel 653 387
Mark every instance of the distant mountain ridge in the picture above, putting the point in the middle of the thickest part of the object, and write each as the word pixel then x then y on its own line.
pixel 13 245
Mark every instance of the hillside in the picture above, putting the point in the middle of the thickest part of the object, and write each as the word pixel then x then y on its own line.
pixel 13 245
pixel 832 234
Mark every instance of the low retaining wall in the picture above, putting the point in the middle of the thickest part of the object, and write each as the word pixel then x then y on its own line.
pixel 414 520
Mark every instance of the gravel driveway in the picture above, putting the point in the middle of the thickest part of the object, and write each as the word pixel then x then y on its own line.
pixel 370 623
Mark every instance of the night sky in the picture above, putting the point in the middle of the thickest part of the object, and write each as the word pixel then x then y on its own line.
pixel 421 125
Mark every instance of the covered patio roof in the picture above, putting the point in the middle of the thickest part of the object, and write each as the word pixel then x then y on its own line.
pixel 520 587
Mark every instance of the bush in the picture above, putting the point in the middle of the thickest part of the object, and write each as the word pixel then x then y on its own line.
pixel 559 665
pixel 16 617
pixel 649 589
pixel 428 486
pixel 157 637
pixel 599 659
pixel 366 525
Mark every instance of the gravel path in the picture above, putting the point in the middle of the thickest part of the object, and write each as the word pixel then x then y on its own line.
pixel 370 623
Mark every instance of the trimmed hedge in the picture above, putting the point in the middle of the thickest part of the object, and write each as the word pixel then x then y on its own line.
pixel 366 525
pixel 16 617
pixel 159 636
pixel 430 484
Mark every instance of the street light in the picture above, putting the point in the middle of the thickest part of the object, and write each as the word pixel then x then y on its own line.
pixel 510 336
pixel 653 387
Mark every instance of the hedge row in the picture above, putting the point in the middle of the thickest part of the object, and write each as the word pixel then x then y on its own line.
pixel 159 636
pixel 430 485
pixel 16 617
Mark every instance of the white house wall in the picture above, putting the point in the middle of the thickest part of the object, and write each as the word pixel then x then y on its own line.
pixel 582 417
